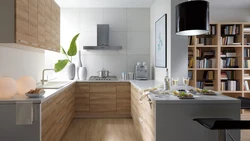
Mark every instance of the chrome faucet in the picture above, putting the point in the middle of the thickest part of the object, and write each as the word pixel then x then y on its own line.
pixel 43 75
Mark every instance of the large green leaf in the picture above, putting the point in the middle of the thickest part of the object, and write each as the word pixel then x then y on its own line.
pixel 73 47
pixel 62 50
pixel 60 65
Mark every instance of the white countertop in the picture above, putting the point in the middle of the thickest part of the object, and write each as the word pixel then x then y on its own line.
pixel 139 84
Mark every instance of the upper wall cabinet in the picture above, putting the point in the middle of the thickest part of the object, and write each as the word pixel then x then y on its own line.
pixel 34 23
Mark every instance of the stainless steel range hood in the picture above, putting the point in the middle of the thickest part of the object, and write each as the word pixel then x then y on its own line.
pixel 102 39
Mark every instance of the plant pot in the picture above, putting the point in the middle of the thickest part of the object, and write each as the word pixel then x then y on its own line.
pixel 71 71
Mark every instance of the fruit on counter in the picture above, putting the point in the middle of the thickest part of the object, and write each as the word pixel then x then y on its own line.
pixel 36 91
pixel 176 92
pixel 183 94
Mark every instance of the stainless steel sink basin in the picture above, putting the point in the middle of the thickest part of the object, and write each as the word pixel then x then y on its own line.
pixel 52 85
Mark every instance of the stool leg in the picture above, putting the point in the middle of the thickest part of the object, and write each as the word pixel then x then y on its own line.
pixel 222 135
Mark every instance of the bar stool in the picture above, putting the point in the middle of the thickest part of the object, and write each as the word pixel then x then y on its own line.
pixel 223 124
pixel 245 102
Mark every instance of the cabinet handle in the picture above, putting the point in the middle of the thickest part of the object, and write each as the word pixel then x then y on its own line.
pixel 62 119
pixel 33 44
pixel 22 41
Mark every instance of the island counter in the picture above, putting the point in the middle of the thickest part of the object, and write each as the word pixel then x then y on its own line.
pixel 168 118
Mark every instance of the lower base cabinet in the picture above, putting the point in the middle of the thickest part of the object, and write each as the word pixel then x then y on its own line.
pixel 143 114
pixel 57 114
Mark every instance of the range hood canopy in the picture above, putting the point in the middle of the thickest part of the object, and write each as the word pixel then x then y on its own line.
pixel 102 39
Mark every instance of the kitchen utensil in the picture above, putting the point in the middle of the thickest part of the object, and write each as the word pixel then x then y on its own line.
pixel 124 76
pixel 103 73
pixel 130 76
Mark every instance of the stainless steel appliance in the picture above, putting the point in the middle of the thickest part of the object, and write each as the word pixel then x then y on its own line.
pixel 141 71
pixel 103 73
pixel 97 78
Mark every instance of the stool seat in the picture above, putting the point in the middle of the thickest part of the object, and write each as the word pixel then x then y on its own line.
pixel 245 102
pixel 223 123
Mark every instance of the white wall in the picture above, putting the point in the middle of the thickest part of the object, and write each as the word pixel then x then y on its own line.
pixel 229 14
pixel 129 28
pixel 18 62
pixel 176 45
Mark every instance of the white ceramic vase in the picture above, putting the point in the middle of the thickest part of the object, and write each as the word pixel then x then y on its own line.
pixel 71 71
pixel 79 64
pixel 82 73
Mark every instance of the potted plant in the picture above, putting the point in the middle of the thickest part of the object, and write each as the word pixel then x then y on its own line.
pixel 60 65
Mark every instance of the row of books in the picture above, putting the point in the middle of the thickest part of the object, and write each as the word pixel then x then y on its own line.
pixel 229 63
pixel 230 30
pixel 246 52
pixel 190 75
pixel 246 63
pixel 212 30
pixel 230 85
pixel 207 54
pixel 209 85
pixel 228 40
pixel 190 40
pixel 228 54
pixel 206 63
pixel 205 41
pixel 208 75
pixel 246 76
pixel 225 75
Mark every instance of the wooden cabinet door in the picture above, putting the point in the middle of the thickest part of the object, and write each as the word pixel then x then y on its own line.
pixel 48 23
pixel 33 28
pixel 53 25
pixel 41 24
pixel 123 98
pixel 58 28
pixel 22 22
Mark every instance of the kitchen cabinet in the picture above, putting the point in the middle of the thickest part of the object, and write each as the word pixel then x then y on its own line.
pixel 57 114
pixel 143 114
pixel 30 23
pixel 102 99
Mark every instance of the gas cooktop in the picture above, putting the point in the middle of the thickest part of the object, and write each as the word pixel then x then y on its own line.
pixel 103 78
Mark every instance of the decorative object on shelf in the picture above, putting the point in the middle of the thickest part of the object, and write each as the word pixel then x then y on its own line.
pixel 25 84
pixel 82 73
pixel 7 87
pixel 79 64
pixel 72 51
pixel 161 42
pixel 192 18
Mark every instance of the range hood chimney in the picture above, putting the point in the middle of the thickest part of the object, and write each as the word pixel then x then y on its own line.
pixel 102 39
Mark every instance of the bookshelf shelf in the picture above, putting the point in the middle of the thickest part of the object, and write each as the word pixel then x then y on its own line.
pixel 229 39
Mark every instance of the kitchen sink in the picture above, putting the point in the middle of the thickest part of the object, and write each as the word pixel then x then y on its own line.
pixel 52 85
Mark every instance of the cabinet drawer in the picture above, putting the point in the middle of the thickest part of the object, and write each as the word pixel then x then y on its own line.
pixel 102 87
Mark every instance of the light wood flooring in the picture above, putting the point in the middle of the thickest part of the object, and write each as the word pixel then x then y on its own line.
pixel 101 130
pixel 110 130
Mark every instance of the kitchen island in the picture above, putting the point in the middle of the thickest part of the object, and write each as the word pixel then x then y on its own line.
pixel 166 117
pixel 157 117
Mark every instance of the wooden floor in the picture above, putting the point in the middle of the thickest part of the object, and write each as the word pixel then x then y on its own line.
pixel 110 130
pixel 101 130
pixel 245 134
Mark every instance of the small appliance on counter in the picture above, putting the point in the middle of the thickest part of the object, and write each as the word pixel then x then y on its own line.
pixel 141 71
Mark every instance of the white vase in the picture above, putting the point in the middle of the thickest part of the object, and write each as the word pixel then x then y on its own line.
pixel 79 64
pixel 82 73
pixel 71 71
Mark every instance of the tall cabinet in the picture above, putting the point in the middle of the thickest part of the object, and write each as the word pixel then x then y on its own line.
pixel 34 23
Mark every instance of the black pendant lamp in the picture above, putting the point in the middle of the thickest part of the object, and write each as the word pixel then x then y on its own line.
pixel 192 18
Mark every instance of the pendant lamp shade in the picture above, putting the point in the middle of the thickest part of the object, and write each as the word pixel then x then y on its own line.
pixel 192 18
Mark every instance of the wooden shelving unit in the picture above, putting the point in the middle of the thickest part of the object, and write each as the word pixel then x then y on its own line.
pixel 215 43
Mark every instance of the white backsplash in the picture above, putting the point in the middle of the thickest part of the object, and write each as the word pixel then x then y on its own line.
pixel 129 28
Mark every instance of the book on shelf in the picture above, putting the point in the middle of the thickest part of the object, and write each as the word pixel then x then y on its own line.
pixel 212 30
pixel 208 75
pixel 198 52
pixel 246 29
pixel 231 54
pixel 230 85
pixel 190 53
pixel 206 63
pixel 229 63
pixel 247 63
pixel 190 74
pixel 246 52
pixel 246 86
pixel 190 40
pixel 230 30
pixel 209 85
pixel 205 41
pixel 208 54
pixel 190 62
pixel 228 75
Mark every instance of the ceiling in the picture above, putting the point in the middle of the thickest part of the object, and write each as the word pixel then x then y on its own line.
pixel 143 3
pixel 229 3
pixel 104 3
